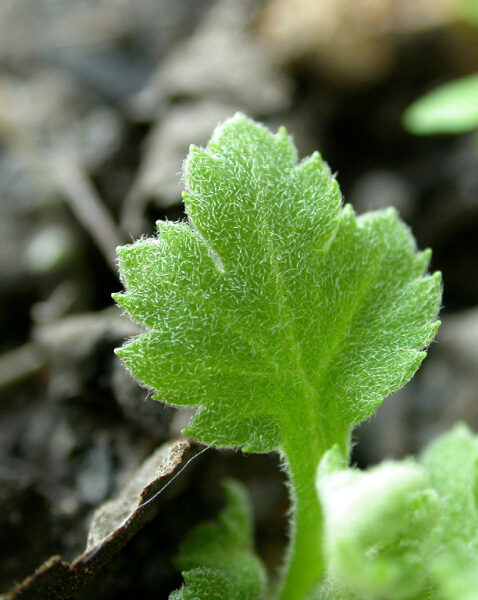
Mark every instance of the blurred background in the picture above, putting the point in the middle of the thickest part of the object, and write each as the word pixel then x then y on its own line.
pixel 99 101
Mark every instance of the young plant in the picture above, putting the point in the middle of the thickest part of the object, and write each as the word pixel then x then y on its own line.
pixel 217 557
pixel 280 314
pixel 403 530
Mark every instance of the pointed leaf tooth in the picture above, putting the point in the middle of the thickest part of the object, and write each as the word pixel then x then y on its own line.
pixel 139 309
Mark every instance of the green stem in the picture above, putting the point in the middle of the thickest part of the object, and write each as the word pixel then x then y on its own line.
pixel 305 561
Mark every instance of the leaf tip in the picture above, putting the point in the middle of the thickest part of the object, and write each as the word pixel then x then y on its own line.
pixel 119 352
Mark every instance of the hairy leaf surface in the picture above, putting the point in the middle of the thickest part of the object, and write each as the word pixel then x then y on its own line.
pixel 274 304
pixel 452 462
pixel 378 526
pixel 403 530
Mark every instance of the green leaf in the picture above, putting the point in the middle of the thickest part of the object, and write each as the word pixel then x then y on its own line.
pixel 403 530
pixel 218 557
pixel 329 590
pixel 273 299
pixel 452 462
pixel 451 108
pixel 378 525
pixel 277 312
